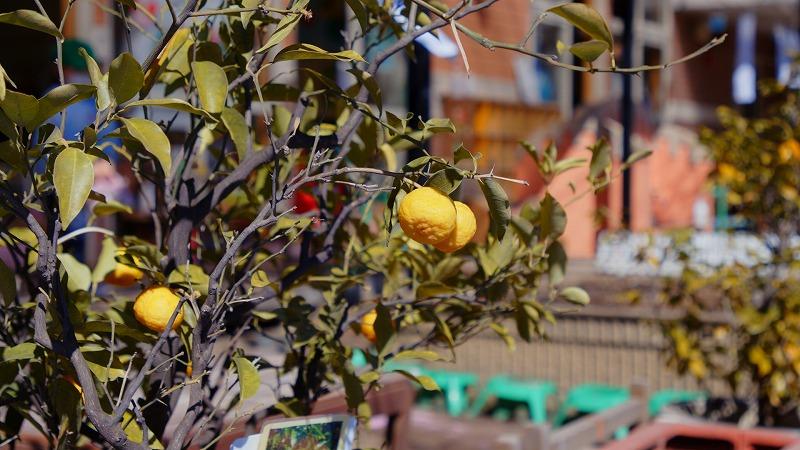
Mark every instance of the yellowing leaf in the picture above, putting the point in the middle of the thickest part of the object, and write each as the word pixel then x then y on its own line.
pixel 153 139
pixel 73 177
pixel 308 51
pixel 249 381
pixel 212 85
pixel 237 127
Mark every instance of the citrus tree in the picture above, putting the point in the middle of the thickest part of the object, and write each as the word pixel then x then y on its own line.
pixel 288 232
pixel 741 323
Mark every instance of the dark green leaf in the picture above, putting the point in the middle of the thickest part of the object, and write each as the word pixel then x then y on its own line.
pixel 125 77
pixel 601 159
pixel 499 206
pixel 8 284
pixel 173 103
pixel 446 180
pixel 552 217
pixel 556 263
pixel 384 328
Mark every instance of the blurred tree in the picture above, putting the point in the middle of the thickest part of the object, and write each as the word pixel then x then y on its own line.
pixel 741 323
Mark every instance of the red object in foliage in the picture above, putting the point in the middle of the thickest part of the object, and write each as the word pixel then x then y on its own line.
pixel 304 202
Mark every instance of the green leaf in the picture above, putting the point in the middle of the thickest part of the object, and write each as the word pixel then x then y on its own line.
pixel 2 83
pixel 284 27
pixel 20 108
pixel 354 392
pixel 125 77
pixel 172 103
pixel 249 381
pixel 110 207
pixel 153 139
pixel 504 335
pixel 212 85
pixel 425 381
pixel 106 261
pixel 637 156
pixel 416 163
pixel 426 355
pixel 589 51
pixel 552 218
pixel 601 158
pixel 260 279
pixel 360 12
pixel 237 127
pixel 192 277
pixel 8 284
pixel 308 51
pixel 438 125
pixel 79 275
pixel 59 98
pixel 568 164
pixel 446 180
pixel 99 81
pixel 499 206
pixel 586 19
pixel 384 328
pixel 20 351
pixel 33 20
pixel 105 374
pixel 556 263
pixel 462 154
pixel 575 295
pixel 73 177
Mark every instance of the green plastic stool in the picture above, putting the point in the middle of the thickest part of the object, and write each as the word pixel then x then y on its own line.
pixel 533 393
pixel 454 386
pixel 592 398
pixel 666 397
pixel 358 359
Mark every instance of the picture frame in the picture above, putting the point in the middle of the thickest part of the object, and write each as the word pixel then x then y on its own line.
pixel 321 432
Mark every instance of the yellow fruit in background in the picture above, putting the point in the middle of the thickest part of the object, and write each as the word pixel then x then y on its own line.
pixel 368 326
pixel 154 306
pixel 427 216
pixel 189 369
pixel 789 150
pixel 463 232
pixel 123 274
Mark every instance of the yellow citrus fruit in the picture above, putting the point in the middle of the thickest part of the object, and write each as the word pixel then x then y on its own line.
pixel 368 326
pixel 154 306
pixel 463 232
pixel 123 274
pixel 427 216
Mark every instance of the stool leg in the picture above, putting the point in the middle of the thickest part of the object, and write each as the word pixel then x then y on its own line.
pixel 538 407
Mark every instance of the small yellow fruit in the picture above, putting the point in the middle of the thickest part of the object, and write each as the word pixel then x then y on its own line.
pixel 427 216
pixel 189 369
pixel 154 306
pixel 124 275
pixel 368 326
pixel 462 234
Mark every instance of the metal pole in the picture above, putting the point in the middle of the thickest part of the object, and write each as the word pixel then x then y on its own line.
pixel 627 109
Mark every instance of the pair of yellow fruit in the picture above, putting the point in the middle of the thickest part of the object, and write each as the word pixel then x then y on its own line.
pixel 153 306
pixel 429 217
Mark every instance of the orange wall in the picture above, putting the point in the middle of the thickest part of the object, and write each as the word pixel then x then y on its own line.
pixel 664 189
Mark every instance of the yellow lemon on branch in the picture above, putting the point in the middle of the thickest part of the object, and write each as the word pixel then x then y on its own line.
pixel 154 306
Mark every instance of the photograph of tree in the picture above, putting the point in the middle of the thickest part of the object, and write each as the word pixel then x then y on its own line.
pixel 319 436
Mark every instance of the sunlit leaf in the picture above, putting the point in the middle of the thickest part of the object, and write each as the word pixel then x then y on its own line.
pixel 212 85
pixel 239 132
pixel 73 177
pixel 152 137
pixel 31 19
pixel 249 381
